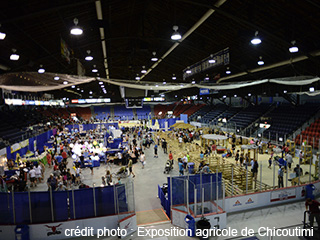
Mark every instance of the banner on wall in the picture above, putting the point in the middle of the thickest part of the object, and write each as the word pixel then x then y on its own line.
pixel 283 194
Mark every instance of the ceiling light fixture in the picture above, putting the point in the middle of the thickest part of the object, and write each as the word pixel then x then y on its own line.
pixel 88 57
pixel 294 48
pixel 76 30
pixel 65 82
pixel 176 35
pixel 2 35
pixel 228 71
pixel 94 70
pixel 90 92
pixel 100 83
pixel 73 86
pixel 56 78
pixel 41 69
pixel 256 40
pixel 284 91
pixel 311 89
pixel 14 56
pixel 82 91
pixel 211 60
pixel 188 71
pixel 193 82
pixel 154 58
pixel 260 62
pixel 249 94
pixel 143 69
pixel 78 89
pixel 235 95
pixel 137 77
pixel 174 77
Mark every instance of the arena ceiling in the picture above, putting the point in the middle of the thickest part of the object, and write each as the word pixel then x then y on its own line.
pixel 133 29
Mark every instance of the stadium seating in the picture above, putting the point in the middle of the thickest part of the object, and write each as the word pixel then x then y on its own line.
pixel 143 113
pixel 311 134
pixel 163 109
pixel 248 115
pixel 102 112
pixel 123 113
pixel 84 113
pixel 285 119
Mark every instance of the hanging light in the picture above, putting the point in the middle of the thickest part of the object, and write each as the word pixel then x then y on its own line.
pixel 256 40
pixel 228 71
pixel 100 83
pixel 88 57
pixel 41 69
pixel 174 77
pixel 188 71
pixel 285 91
pixel 76 30
pixel 94 70
pixel 260 62
pixel 2 35
pixel 176 35
pixel 164 82
pixel 249 94
pixel 143 70
pixel 211 60
pixel 235 95
pixel 294 48
pixel 56 78
pixel 137 77
pixel 65 82
pixel 14 56
pixel 311 89
pixel 193 82
pixel 78 89
pixel 154 58
pixel 90 92
pixel 82 91
pixel 73 86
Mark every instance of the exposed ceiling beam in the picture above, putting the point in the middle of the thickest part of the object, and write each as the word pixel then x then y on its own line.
pixel 189 32
pixel 278 64
pixel 102 37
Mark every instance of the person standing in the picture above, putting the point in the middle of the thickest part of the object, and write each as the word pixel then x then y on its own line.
pixel 289 160
pixel 298 170
pixel 32 175
pixel 143 159
pixel 171 158
pixel 280 177
pixel 254 169
pixel 130 168
pixel 201 156
pixel 237 157
pixel 314 213
pixel 214 149
pixel 164 146
pixel 156 151
pixel 181 167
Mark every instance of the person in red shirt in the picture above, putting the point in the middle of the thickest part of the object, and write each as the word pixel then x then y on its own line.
pixel 64 155
pixel 171 157
pixel 214 149
pixel 314 212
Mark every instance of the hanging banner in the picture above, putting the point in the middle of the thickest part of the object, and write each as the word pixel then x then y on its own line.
pixel 220 58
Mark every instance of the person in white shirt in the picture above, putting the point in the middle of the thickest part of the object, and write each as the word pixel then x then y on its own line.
pixel 38 170
pixel 143 159
pixel 32 175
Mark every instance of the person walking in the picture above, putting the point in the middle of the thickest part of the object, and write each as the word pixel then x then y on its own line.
pixel 312 206
pixel 130 168
pixel 289 160
pixel 143 159
pixel 156 151
pixel 280 177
